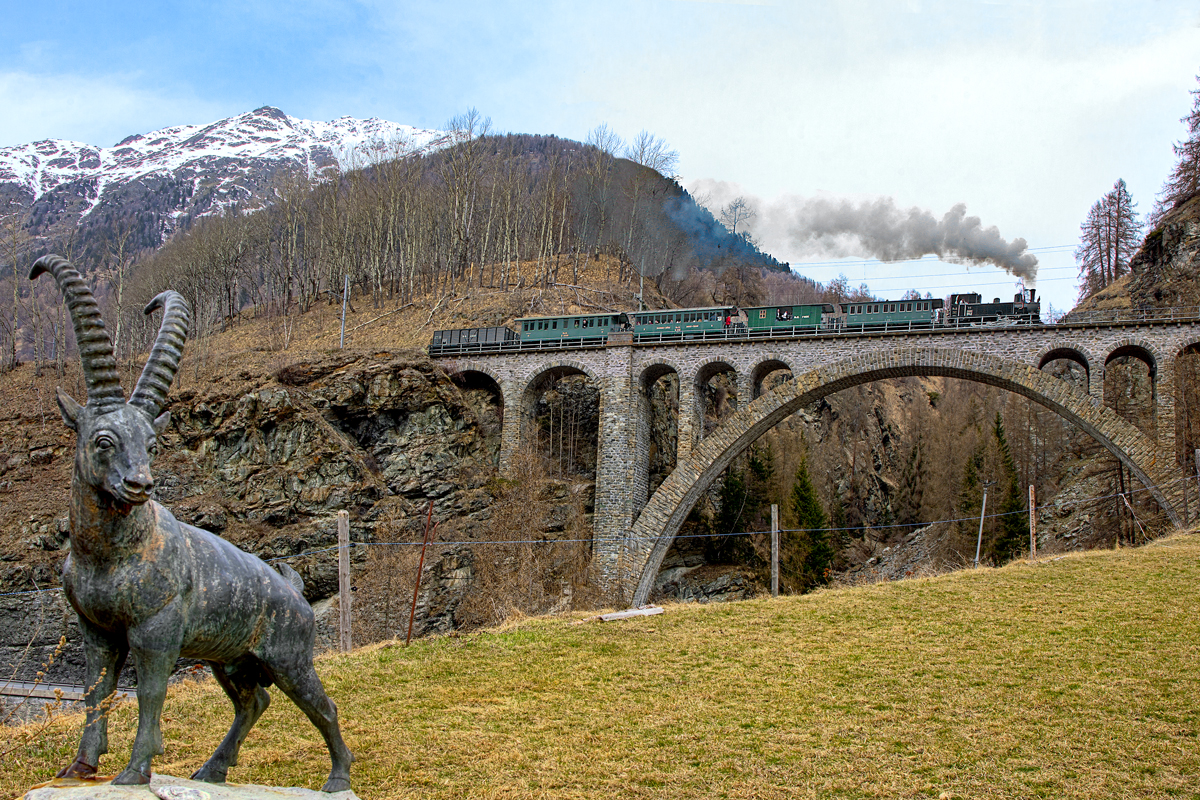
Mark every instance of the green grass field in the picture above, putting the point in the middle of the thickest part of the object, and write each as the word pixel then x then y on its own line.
pixel 1078 677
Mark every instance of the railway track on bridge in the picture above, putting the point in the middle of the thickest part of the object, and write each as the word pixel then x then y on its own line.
pixel 1084 321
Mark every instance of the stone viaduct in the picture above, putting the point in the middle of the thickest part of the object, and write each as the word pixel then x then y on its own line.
pixel 634 530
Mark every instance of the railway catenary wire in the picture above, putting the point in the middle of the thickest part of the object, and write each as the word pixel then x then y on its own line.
pixel 476 542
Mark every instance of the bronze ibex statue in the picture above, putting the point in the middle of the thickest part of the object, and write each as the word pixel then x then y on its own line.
pixel 144 583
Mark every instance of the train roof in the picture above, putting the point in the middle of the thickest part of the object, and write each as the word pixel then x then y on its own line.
pixel 572 316
pixel 937 301
pixel 826 307
pixel 672 310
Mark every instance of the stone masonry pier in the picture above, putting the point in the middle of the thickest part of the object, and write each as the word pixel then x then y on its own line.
pixel 633 531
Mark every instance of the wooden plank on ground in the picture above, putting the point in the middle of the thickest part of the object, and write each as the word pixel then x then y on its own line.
pixel 647 611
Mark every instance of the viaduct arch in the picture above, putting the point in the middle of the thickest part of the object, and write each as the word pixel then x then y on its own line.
pixel 624 369
pixel 641 554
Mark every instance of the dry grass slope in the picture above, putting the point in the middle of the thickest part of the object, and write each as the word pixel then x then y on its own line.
pixel 1071 678
pixel 1113 296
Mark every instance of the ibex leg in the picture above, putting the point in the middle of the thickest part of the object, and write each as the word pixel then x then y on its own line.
pixel 153 668
pixel 241 682
pixel 305 689
pixel 105 658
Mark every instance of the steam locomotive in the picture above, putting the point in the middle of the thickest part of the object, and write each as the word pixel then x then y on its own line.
pixel 721 322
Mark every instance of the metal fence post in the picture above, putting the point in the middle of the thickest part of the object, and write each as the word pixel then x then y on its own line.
pixel 982 511
pixel 1032 525
pixel 343 524
pixel 774 550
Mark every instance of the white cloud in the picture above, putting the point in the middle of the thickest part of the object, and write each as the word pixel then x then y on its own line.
pixel 1027 126
pixel 99 110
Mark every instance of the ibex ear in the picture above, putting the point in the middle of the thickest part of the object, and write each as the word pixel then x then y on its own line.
pixel 161 421
pixel 68 408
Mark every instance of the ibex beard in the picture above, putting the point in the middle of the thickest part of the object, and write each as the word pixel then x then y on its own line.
pixel 146 584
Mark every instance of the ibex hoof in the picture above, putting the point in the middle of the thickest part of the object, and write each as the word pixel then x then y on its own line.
pixel 336 785
pixel 210 774
pixel 131 777
pixel 78 769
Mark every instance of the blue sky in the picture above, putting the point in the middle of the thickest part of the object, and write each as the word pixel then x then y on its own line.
pixel 1025 111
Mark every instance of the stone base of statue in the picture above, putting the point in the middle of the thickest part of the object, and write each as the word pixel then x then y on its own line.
pixel 165 787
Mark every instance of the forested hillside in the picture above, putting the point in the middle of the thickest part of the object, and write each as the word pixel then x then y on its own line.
pixel 484 212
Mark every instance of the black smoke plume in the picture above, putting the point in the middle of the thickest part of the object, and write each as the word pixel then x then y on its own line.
pixel 835 227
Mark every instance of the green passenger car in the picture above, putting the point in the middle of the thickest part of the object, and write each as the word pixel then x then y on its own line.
pixel 684 322
pixel 570 328
pixel 880 313
pixel 786 319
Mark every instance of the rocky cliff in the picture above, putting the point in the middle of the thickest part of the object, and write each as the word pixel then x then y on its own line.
pixel 1166 270
pixel 267 461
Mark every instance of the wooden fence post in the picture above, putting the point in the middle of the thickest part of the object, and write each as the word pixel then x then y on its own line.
pixel 1032 525
pixel 420 568
pixel 344 580
pixel 774 550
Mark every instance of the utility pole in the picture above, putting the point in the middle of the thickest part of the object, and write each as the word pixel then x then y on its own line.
pixel 982 511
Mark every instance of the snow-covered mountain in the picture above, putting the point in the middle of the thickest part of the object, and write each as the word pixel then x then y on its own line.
pixel 150 181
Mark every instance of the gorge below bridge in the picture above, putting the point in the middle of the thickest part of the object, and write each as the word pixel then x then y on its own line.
pixel 633 529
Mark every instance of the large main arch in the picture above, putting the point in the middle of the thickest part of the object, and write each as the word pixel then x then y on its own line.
pixel 642 552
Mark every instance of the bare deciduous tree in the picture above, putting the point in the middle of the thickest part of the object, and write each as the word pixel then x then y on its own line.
pixel 737 212
pixel 652 152
pixel 1109 237
pixel 13 230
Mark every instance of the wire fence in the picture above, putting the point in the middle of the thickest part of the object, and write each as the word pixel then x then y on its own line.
pixel 625 539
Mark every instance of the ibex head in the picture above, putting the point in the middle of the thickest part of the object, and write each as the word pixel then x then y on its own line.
pixel 116 440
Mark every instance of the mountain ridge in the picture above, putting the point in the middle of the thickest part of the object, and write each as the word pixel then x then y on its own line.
pixel 153 182
pixel 41 166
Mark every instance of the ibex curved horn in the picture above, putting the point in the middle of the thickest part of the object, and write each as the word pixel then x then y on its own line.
pixel 150 394
pixel 95 348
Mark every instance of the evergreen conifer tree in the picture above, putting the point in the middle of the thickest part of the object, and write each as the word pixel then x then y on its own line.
pixel 727 520
pixel 807 555
pixel 1014 525
pixel 837 521
pixel 970 493
pixel 743 496
pixel 911 498
pixel 761 469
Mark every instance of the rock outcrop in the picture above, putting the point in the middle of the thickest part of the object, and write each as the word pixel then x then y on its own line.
pixel 267 462
pixel 1166 270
